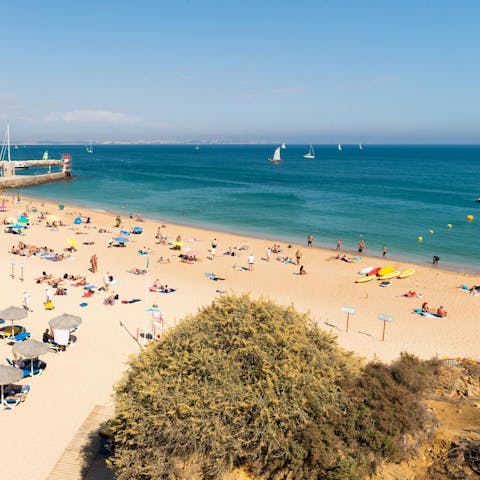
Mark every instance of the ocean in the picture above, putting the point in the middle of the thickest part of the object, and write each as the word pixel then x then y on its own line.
pixel 388 195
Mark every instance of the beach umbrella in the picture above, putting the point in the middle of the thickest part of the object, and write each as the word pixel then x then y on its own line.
pixel 177 244
pixel 3 208
pixel 23 219
pixel 13 314
pixel 51 219
pixel 121 239
pixel 30 349
pixel 77 221
pixel 73 243
pixel 65 322
pixel 124 232
pixel 9 375
pixel 18 227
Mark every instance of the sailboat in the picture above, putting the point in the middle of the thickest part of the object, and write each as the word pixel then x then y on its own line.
pixel 310 154
pixel 283 146
pixel 276 156
pixel 360 146
pixel 339 147
pixel 45 155
pixel 89 147
pixel 6 151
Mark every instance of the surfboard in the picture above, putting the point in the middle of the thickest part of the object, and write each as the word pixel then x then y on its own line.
pixel 386 270
pixel 365 279
pixel 393 274
pixel 374 272
pixel 407 273
pixel 365 270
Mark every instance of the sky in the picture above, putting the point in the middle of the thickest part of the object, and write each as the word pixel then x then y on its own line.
pixel 313 71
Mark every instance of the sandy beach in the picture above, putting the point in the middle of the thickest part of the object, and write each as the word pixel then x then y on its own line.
pixel 81 377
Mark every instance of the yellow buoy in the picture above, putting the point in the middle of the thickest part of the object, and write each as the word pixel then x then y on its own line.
pixel 430 232
pixel 420 239
pixel 449 225
pixel 469 218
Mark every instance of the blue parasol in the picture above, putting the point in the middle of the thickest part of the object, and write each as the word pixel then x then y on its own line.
pixel 121 240
pixel 124 232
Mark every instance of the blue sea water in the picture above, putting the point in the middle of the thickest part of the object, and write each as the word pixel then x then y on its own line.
pixel 383 194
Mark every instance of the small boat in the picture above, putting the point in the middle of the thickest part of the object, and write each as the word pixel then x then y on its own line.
pixel 310 154
pixel 276 156
pixel 360 146
pixel 339 147
pixel 477 200
pixel 283 146
pixel 89 148
pixel 197 148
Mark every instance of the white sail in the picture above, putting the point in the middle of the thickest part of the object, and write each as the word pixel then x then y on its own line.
pixel 339 147
pixel 311 153
pixel 89 147
pixel 276 156
pixel 283 146
pixel 360 146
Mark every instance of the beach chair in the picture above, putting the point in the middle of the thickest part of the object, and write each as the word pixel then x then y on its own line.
pixel 19 337
pixel 38 366
pixel 13 395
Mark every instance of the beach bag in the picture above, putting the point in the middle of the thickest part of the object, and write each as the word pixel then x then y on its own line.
pixel 49 305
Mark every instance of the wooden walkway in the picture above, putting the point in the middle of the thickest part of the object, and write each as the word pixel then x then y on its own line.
pixel 79 455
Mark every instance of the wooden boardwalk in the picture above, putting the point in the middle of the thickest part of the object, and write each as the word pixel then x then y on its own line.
pixel 79 455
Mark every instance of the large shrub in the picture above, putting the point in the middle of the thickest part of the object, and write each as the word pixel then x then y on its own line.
pixel 251 385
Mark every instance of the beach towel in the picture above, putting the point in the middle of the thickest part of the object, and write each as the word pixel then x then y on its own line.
pixel 134 300
pixel 426 314
pixel 83 304
pixel 88 293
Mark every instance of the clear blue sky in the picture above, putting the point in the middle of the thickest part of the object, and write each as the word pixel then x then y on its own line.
pixel 324 71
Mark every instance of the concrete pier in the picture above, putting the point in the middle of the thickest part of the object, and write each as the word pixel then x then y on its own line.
pixel 10 180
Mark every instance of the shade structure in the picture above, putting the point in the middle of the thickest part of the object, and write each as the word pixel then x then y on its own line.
pixel 9 375
pixel 124 232
pixel 51 219
pixel 23 219
pixel 30 349
pixel 65 322
pixel 77 221
pixel 121 240
pixel 13 313
pixel 73 243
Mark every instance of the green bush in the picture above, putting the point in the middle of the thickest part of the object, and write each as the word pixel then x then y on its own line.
pixel 252 385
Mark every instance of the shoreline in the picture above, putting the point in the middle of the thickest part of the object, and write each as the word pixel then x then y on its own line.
pixel 446 266
pixel 83 376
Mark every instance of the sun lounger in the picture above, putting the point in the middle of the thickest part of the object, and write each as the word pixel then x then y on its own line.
pixel 20 337
pixel 14 394
pixel 38 366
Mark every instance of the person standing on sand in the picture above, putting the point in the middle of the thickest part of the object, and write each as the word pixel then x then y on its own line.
pixel 26 301
pixel 93 263
pixel 339 245
pixel 384 254
pixel 309 240
pixel 298 256
pixel 269 253
pixel 251 261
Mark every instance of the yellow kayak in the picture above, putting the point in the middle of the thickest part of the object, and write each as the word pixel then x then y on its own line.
pixel 365 279
pixel 386 270
pixel 393 274
pixel 407 273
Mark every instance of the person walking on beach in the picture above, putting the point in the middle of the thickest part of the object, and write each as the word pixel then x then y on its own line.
pixel 361 246
pixel 48 295
pixel 309 240
pixel 384 254
pixel 26 301
pixel 269 253
pixel 251 261
pixel 298 255
pixel 339 245
pixel 435 260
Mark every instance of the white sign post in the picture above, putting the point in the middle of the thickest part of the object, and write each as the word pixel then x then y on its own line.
pixel 385 318
pixel 349 311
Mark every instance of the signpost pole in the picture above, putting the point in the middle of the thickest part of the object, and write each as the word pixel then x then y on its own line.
pixel 348 318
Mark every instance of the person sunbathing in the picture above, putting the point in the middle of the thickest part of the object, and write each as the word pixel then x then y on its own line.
pixel 137 271
pixel 425 308
pixel 441 312
pixel 163 260
pixel 165 289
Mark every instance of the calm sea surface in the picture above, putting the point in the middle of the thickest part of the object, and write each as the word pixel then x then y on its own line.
pixel 383 194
